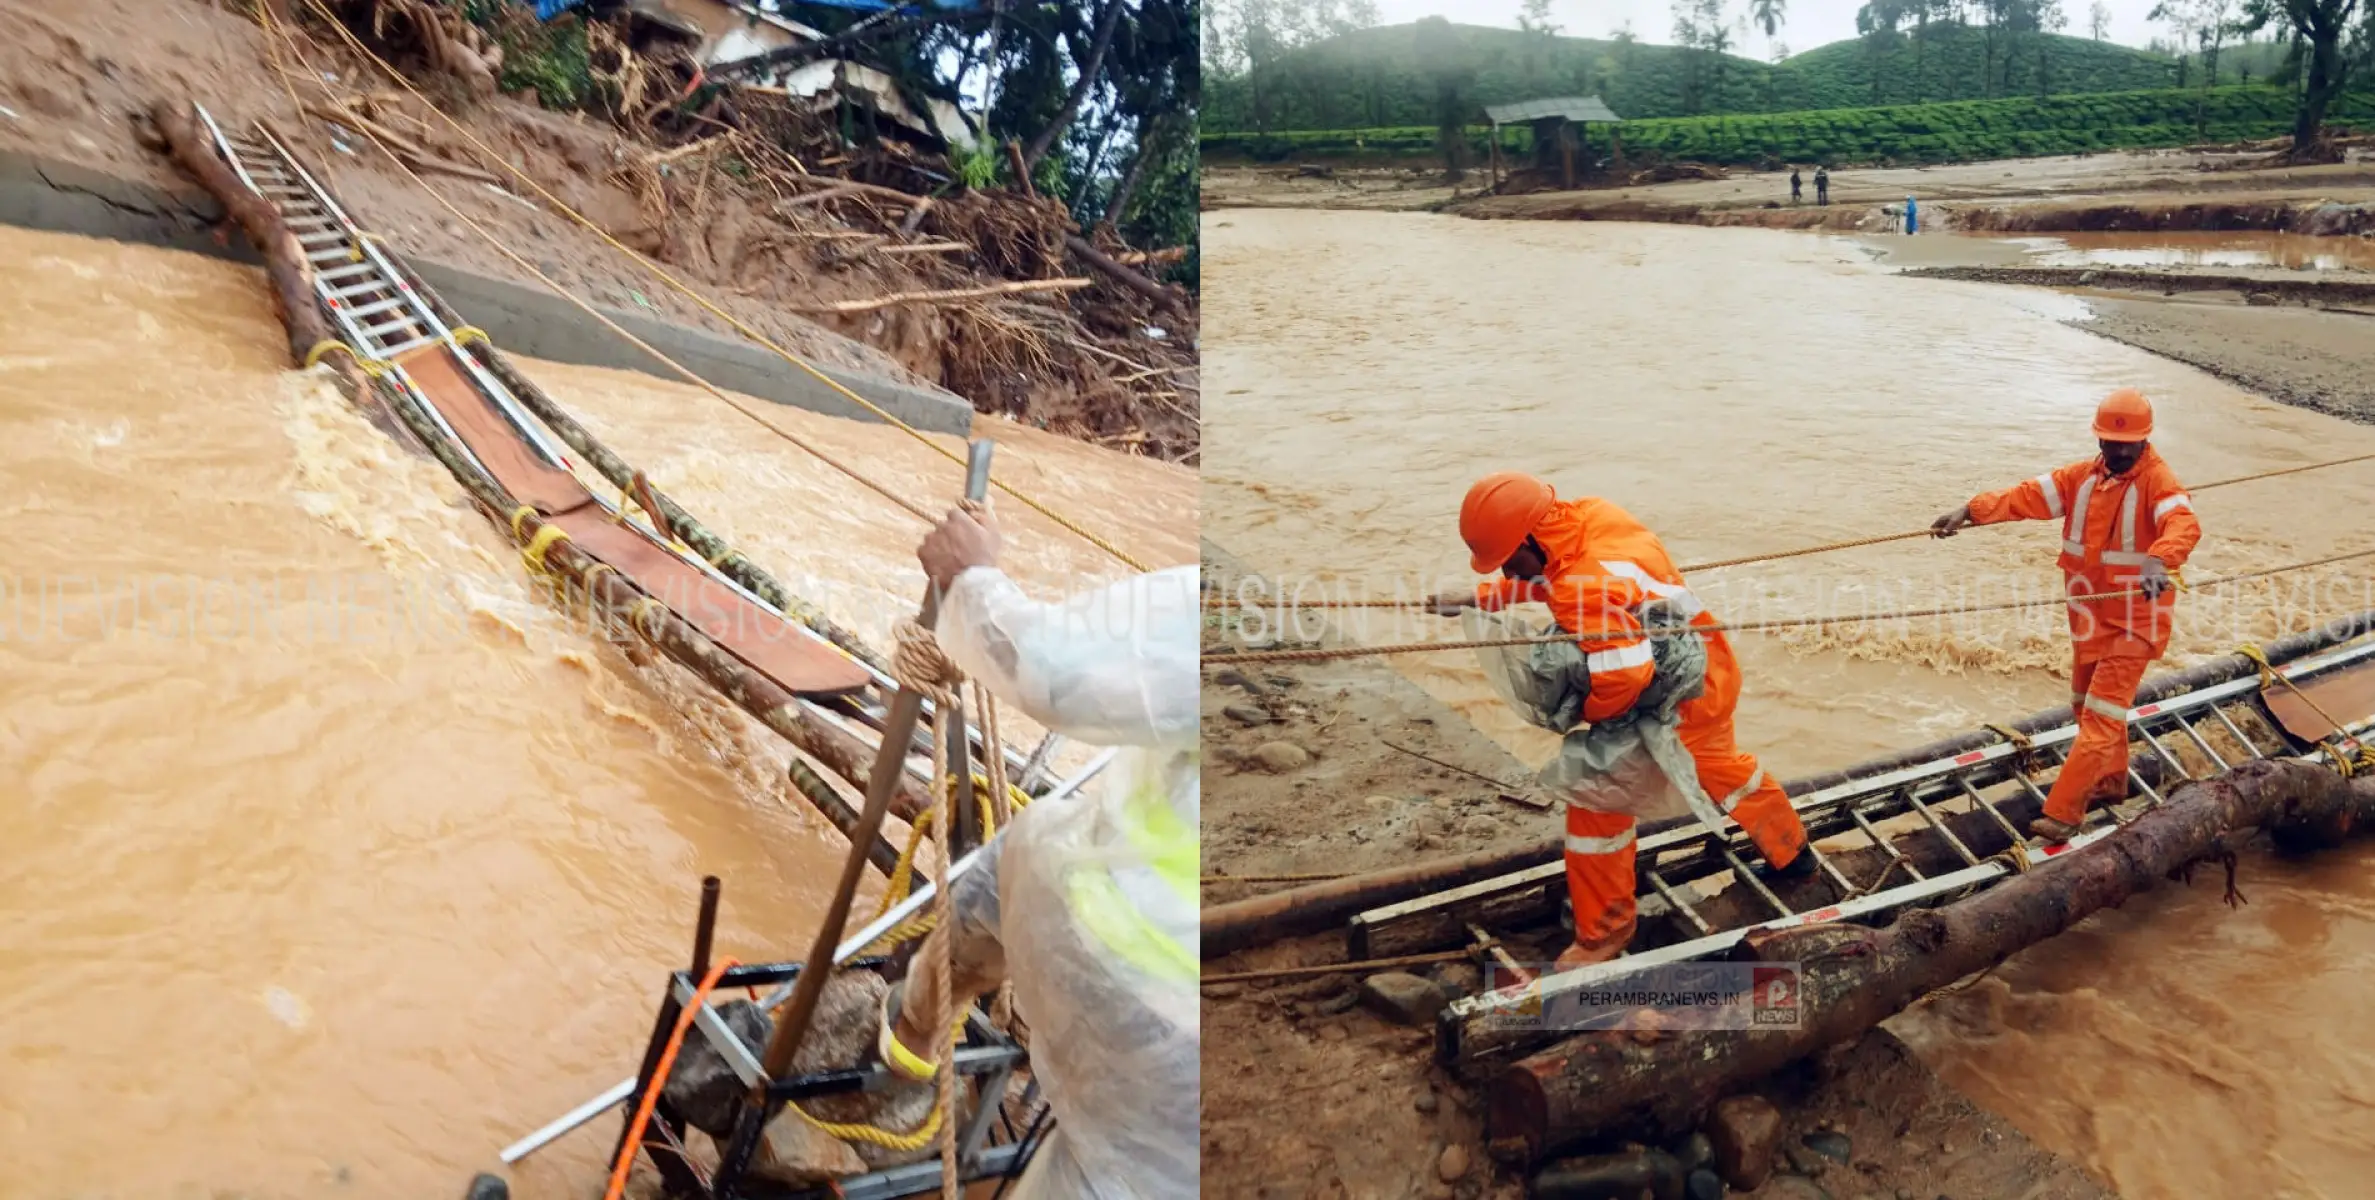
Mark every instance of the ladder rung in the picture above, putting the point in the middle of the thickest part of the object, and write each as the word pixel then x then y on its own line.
pixel 348 271
pixel 334 254
pixel 365 288
pixel 389 329
pixel 2202 742
pixel 1961 851
pixel 329 235
pixel 1677 903
pixel 2237 730
pixel 2163 752
pixel 308 218
pixel 372 310
pixel 1846 888
pixel 1750 878
pixel 398 351
pixel 1980 802
pixel 1857 816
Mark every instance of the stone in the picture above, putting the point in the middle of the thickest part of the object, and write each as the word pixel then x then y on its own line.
pixel 1246 714
pixel 1803 1161
pixel 1333 1032
pixel 1458 980
pixel 1480 829
pixel 1453 1164
pixel 1704 1184
pixel 1794 1187
pixel 1630 1172
pixel 1280 757
pixel 1224 991
pixel 1831 1145
pixel 2087 279
pixel 1745 1130
pixel 47 101
pixel 2260 299
pixel 1905 1194
pixel 795 1152
pixel 842 1034
pixel 1696 1152
pixel 488 1187
pixel 1338 1003
pixel 1404 998
pixel 1427 1102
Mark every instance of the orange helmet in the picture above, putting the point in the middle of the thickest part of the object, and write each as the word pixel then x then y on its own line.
pixel 2125 416
pixel 1498 514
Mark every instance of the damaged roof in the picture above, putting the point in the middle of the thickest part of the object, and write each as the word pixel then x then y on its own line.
pixel 1573 108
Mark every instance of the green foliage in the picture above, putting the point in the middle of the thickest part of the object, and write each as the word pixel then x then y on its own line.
pixel 550 58
pixel 979 167
pixel 1965 131
pixel 1953 62
pixel 1377 77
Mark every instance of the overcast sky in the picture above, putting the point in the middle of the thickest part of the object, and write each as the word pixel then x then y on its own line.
pixel 1811 22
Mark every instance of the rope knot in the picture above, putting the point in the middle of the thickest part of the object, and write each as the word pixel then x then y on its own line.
pixel 919 665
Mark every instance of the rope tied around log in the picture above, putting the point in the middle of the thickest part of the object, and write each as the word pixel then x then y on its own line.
pixel 2024 750
pixel 919 665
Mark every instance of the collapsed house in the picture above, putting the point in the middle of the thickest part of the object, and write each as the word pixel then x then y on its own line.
pixel 719 34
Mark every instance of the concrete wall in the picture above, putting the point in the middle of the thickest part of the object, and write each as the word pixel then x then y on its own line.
pixel 62 198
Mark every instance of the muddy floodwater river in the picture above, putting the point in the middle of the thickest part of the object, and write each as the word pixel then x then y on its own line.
pixel 1745 391
pixel 336 859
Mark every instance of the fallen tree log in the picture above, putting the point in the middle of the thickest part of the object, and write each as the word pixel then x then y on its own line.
pixel 1634 1083
pixel 285 265
pixel 1227 928
pixel 1160 258
pixel 1166 298
pixel 944 296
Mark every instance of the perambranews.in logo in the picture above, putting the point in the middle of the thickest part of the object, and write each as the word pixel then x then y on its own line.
pixel 1660 996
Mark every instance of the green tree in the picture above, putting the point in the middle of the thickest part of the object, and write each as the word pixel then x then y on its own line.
pixel 2336 37
pixel 1445 57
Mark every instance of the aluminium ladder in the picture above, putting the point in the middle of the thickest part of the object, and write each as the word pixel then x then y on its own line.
pixel 1672 859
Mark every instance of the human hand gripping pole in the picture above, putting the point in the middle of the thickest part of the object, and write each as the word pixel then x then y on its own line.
pixel 898 732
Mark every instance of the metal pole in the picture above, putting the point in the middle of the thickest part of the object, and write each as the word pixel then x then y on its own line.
pixel 905 709
pixel 848 950
pixel 705 928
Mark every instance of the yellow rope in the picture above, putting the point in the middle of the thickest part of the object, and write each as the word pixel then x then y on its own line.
pixel 1210 661
pixel 919 1138
pixel 472 333
pixel 2268 672
pixel 533 553
pixel 519 515
pixel 490 155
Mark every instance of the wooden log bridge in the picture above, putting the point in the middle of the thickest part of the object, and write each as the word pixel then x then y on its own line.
pixel 623 577
pixel 1640 1083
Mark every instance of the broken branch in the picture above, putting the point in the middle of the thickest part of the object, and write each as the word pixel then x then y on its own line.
pixel 942 297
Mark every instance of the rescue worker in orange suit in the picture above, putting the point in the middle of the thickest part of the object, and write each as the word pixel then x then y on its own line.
pixel 2127 524
pixel 1595 566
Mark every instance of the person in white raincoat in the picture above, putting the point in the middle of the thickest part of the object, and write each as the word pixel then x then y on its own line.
pixel 1089 904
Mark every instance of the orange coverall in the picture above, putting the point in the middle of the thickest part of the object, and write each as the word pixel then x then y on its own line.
pixel 1602 566
pixel 2110 525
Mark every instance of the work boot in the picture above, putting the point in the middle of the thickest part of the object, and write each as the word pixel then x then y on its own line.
pixel 1800 866
pixel 1599 950
pixel 1581 955
pixel 2052 832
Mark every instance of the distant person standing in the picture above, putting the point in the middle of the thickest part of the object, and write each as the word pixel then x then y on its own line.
pixel 1822 185
pixel 1797 187
pixel 1912 218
